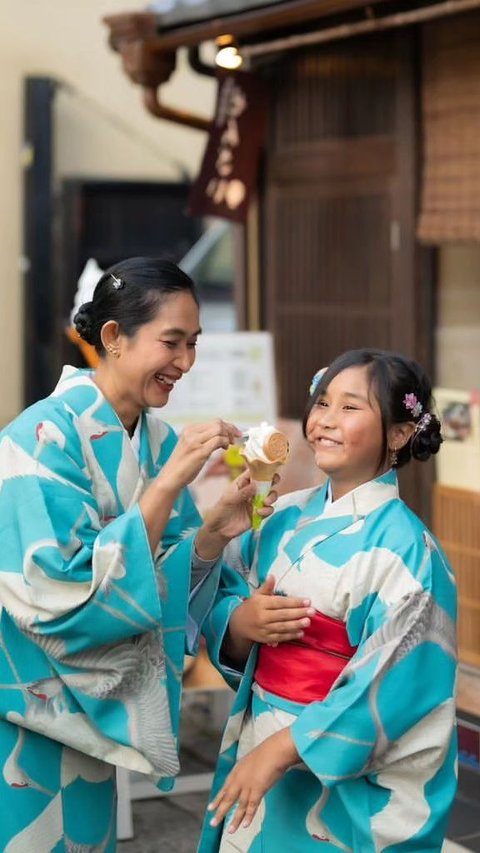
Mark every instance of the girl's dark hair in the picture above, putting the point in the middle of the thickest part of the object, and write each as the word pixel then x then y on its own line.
pixel 392 377
pixel 130 293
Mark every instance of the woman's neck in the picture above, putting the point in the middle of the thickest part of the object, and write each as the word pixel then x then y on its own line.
pixel 126 410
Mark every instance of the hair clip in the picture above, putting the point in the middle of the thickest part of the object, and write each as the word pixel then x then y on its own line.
pixel 413 405
pixel 422 423
pixel 316 379
pixel 117 282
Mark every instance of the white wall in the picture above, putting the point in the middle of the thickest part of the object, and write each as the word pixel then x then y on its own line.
pixel 103 130
pixel 458 321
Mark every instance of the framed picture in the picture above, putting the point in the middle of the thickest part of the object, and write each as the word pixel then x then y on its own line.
pixel 458 462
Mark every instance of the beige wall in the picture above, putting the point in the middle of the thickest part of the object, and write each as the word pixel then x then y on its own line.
pixel 458 326
pixel 103 130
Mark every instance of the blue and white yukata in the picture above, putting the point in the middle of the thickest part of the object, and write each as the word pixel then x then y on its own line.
pixel 92 627
pixel 378 753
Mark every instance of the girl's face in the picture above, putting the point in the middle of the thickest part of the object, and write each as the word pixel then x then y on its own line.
pixel 344 430
pixel 157 356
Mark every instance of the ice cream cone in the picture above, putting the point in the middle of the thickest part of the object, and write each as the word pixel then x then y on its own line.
pixel 262 472
pixel 262 488
pixel 265 451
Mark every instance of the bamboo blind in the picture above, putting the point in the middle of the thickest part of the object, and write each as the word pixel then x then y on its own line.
pixel 456 517
pixel 450 205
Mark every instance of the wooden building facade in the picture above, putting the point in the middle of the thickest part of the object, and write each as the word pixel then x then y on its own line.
pixel 371 162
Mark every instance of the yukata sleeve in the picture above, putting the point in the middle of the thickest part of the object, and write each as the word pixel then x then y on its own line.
pixel 177 562
pixel 232 590
pixel 401 681
pixel 64 577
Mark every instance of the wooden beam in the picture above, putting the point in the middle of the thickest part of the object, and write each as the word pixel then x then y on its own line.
pixel 242 25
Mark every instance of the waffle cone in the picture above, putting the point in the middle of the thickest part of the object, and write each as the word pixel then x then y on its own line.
pixel 263 472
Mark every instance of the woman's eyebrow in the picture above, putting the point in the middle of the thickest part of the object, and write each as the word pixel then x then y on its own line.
pixel 181 333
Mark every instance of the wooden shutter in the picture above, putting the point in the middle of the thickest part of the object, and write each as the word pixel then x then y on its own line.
pixel 455 521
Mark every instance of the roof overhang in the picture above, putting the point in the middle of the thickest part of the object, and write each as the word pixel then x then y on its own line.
pixel 253 20
pixel 148 41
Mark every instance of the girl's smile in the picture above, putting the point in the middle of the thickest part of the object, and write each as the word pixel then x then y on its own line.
pixel 345 431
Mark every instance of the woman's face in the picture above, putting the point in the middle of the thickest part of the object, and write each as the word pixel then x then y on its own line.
pixel 344 430
pixel 157 356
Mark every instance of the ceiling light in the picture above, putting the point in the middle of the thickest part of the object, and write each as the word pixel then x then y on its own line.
pixel 228 55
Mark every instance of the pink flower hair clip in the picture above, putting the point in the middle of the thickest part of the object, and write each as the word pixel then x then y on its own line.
pixel 413 405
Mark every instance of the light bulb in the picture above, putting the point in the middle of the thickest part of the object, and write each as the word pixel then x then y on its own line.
pixel 228 55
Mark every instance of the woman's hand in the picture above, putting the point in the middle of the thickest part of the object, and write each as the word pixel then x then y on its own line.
pixel 231 516
pixel 252 777
pixel 195 445
pixel 269 618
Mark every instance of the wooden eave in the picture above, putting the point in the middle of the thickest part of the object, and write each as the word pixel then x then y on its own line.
pixel 253 23
pixel 149 52
pixel 243 26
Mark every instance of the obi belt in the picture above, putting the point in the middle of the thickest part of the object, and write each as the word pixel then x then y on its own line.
pixel 305 670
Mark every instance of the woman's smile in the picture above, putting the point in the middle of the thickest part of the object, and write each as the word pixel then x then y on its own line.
pixel 166 383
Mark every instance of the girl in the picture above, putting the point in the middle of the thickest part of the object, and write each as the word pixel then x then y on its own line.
pixel 344 736
pixel 105 568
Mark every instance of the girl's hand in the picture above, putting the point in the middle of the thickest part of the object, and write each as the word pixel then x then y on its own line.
pixel 231 516
pixel 252 777
pixel 269 618
pixel 195 445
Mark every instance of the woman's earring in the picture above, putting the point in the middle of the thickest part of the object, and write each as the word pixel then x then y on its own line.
pixel 114 351
pixel 393 457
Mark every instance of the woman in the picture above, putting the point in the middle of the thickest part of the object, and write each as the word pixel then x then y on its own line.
pixel 104 567
pixel 346 735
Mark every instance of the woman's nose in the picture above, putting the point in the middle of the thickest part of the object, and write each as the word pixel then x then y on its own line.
pixel 184 360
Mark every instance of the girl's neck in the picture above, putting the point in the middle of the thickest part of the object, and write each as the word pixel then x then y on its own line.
pixel 340 487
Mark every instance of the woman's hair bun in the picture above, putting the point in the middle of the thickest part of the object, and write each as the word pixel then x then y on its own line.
pixel 83 322
pixel 427 440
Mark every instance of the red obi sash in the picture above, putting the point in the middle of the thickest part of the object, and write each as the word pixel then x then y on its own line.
pixel 304 670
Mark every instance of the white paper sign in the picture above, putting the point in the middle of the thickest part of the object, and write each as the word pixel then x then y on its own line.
pixel 233 378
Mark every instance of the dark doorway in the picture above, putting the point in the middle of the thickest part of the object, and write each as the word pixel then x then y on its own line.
pixel 67 222
pixel 111 220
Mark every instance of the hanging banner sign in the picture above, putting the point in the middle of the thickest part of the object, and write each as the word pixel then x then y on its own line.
pixel 228 174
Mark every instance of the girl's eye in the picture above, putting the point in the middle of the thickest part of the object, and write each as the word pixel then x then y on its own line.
pixel 192 344
pixel 351 408
pixel 322 403
pixel 170 344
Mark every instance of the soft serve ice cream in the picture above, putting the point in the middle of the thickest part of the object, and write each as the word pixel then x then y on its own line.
pixel 265 450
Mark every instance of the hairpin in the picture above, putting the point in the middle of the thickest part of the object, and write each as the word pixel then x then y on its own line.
pixel 316 379
pixel 413 405
pixel 422 423
pixel 117 282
